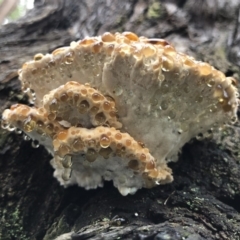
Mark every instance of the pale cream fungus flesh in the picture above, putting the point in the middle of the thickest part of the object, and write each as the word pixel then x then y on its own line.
pixel 119 107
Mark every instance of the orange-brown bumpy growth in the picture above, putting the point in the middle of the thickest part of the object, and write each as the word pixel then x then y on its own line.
pixel 119 107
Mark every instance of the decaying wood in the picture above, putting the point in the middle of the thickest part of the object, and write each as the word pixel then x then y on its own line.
pixel 202 202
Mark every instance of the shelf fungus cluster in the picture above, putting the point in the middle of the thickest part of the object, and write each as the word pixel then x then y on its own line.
pixel 119 107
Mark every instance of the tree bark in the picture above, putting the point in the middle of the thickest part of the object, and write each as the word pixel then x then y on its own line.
pixel 201 203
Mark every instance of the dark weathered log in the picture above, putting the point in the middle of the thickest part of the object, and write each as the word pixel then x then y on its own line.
pixel 202 202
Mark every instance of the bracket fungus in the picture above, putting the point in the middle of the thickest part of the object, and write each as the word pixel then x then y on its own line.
pixel 119 107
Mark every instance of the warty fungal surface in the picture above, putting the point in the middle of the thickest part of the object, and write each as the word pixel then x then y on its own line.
pixel 120 107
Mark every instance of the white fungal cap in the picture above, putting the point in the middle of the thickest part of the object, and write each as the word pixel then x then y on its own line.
pixel 158 99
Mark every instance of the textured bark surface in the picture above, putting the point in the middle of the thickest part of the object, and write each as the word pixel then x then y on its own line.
pixel 202 202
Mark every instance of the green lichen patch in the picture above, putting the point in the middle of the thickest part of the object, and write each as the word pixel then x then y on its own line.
pixel 155 11
pixel 11 224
